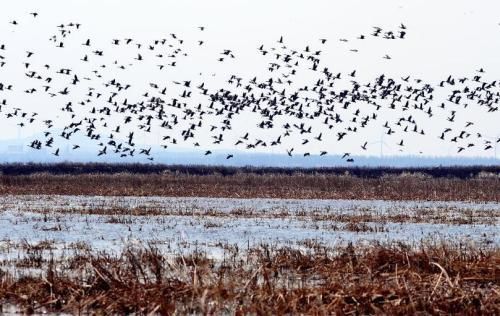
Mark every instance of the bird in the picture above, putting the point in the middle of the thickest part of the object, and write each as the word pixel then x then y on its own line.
pixel 293 111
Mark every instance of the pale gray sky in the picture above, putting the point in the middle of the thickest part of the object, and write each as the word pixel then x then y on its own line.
pixel 443 37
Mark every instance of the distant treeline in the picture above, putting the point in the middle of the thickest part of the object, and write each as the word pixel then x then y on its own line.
pixel 462 172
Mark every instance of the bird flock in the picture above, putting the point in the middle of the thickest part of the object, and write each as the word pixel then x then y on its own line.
pixel 95 101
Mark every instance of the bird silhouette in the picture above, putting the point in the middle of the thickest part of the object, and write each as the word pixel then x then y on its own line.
pixel 291 111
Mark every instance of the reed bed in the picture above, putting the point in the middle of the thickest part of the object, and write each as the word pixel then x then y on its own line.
pixel 252 185
pixel 437 279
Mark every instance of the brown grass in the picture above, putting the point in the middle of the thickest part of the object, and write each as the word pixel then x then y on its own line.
pixel 434 279
pixel 116 214
pixel 302 186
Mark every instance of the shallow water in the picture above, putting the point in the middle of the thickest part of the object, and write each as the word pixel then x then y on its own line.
pixel 34 219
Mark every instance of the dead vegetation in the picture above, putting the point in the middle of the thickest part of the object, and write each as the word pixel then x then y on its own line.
pixel 234 273
pixel 354 216
pixel 377 279
pixel 250 185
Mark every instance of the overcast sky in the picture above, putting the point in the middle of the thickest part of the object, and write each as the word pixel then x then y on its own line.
pixel 443 37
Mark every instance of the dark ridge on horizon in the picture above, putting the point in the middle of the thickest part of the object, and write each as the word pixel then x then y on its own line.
pixel 13 169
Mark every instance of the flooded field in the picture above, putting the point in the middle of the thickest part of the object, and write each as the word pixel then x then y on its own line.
pixel 78 254
pixel 209 224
